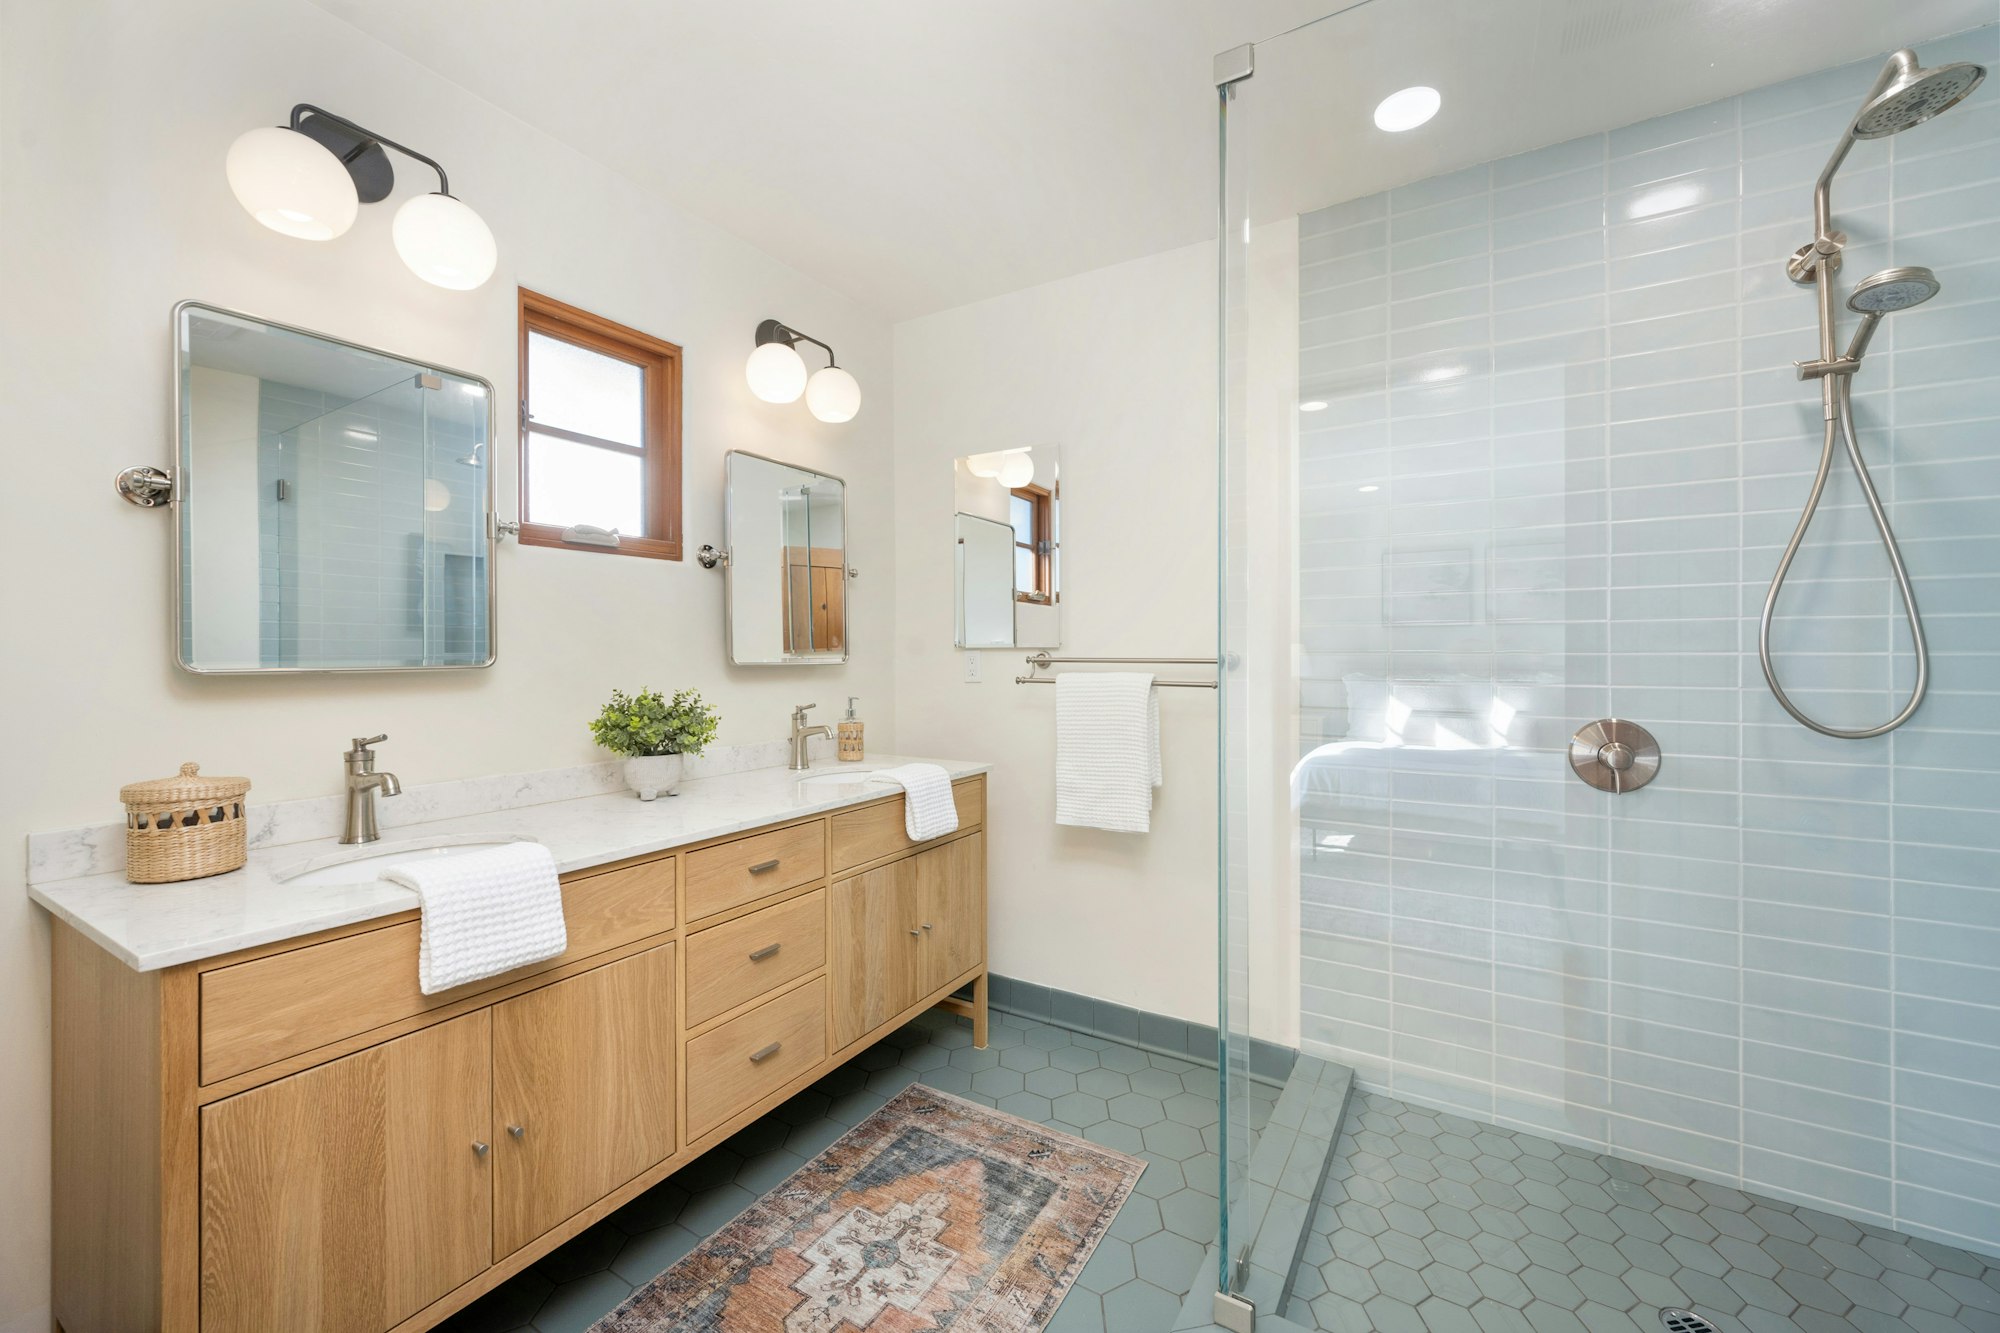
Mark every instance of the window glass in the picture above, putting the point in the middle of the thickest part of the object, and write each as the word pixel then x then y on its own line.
pixel 585 392
pixel 571 483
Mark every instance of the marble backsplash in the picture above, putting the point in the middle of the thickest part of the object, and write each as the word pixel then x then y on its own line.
pixel 100 849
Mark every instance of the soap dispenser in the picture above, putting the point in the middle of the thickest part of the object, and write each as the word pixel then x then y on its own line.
pixel 849 733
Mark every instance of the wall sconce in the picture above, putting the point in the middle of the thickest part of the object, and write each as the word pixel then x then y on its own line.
pixel 777 374
pixel 1012 468
pixel 309 179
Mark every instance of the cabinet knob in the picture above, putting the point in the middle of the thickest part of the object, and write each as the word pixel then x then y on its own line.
pixel 478 1148
pixel 517 1130
pixel 927 925
pixel 914 931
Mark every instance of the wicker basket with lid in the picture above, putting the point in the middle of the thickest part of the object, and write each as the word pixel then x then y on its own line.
pixel 183 827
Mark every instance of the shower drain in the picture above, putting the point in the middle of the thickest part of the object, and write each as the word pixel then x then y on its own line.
pixel 1686 1321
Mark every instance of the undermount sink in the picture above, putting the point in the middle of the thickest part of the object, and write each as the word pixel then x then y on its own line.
pixel 852 778
pixel 365 864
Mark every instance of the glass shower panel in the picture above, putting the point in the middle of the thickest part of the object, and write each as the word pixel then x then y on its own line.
pixel 1512 443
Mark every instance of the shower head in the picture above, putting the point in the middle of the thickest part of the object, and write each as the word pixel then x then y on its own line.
pixel 1885 293
pixel 1911 95
pixel 1893 289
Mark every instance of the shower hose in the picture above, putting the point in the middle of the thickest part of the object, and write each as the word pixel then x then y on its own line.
pixel 1841 419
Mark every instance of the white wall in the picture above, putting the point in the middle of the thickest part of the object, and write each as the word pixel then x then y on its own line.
pixel 116 117
pixel 1113 368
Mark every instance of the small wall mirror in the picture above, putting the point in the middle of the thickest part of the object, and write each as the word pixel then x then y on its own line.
pixel 786 533
pixel 333 504
pixel 1008 526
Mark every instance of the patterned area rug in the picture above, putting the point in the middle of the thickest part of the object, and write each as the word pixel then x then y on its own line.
pixel 933 1213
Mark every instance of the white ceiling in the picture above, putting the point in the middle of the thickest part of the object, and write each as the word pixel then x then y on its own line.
pixel 919 154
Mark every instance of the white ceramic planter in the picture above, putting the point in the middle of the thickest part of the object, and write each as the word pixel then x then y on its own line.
pixel 653 775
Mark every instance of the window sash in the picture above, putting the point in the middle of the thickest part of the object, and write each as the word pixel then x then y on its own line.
pixel 660 454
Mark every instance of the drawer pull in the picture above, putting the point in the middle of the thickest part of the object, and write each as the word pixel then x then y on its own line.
pixel 478 1148
pixel 760 955
pixel 764 867
pixel 759 1057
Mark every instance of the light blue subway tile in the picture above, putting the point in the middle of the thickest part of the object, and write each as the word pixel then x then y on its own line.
pixel 1555 160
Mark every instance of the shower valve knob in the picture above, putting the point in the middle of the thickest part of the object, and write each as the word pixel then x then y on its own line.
pixel 1614 755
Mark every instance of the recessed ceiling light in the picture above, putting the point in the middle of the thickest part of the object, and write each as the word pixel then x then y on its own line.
pixel 1407 109
pixel 1313 405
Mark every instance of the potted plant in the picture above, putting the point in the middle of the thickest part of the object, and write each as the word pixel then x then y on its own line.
pixel 653 733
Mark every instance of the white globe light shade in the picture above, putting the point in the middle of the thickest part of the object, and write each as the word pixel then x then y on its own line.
pixel 776 372
pixel 833 395
pixel 444 242
pixel 291 184
pixel 983 465
pixel 1018 470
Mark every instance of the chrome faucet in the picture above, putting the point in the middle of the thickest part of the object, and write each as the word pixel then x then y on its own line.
pixel 801 733
pixel 362 784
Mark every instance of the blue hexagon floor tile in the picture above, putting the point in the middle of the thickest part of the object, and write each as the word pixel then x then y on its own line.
pixel 1431 1222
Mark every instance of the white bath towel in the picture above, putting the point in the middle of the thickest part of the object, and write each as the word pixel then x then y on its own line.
pixel 1107 750
pixel 928 810
pixel 484 912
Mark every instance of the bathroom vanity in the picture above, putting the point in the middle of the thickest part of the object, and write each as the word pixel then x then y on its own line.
pixel 290 1135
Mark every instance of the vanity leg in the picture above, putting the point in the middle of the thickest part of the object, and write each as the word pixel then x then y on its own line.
pixel 979 1012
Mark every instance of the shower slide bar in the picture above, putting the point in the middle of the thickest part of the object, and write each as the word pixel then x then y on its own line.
pixel 1042 661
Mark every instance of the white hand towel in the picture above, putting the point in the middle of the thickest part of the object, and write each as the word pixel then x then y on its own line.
pixel 484 912
pixel 928 809
pixel 1107 750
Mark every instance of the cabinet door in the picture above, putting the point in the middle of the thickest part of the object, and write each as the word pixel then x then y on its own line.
pixel 875 949
pixel 346 1198
pixel 952 882
pixel 583 1092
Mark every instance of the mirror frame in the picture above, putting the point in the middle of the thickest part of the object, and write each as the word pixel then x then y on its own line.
pixel 181 520
pixel 729 565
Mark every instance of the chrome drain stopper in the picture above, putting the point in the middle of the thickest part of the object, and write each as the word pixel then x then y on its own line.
pixel 1685 1321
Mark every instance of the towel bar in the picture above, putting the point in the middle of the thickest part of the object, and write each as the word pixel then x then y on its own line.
pixel 1041 661
pixel 1182 684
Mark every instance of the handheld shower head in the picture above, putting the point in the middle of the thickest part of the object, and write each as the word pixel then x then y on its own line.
pixel 1884 293
pixel 1912 95
pixel 1893 289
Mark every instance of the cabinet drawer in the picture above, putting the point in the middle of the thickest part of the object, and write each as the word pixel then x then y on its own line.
pixel 749 1058
pixel 737 961
pixel 286 1003
pixel 719 878
pixel 875 831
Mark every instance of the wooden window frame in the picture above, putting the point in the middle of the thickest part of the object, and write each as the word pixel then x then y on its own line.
pixel 660 365
pixel 1041 500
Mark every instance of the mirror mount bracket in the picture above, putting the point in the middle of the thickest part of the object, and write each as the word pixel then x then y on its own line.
pixel 146 486
pixel 710 558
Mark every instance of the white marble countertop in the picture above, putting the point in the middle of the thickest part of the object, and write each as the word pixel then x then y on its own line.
pixel 150 926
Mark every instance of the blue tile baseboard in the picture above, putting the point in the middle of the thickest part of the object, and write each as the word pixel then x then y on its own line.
pixel 1269 1062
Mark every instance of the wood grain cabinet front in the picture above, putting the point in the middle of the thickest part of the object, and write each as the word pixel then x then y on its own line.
pixel 583 1092
pixel 294 1137
pixel 346 1198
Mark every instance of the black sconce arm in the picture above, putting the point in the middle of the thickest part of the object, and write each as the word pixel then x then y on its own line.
pixel 358 140
pixel 771 331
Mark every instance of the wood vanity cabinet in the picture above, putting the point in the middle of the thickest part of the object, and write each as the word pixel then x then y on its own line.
pixel 294 1137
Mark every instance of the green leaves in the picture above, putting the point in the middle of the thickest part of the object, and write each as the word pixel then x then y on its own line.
pixel 647 724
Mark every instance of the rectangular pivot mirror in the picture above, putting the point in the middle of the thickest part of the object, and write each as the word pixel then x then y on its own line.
pixel 1008 526
pixel 786 532
pixel 332 504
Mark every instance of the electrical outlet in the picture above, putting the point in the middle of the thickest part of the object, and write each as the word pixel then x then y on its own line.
pixel 972 668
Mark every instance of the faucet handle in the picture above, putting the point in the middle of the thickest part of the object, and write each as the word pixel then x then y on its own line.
pixel 799 712
pixel 363 742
